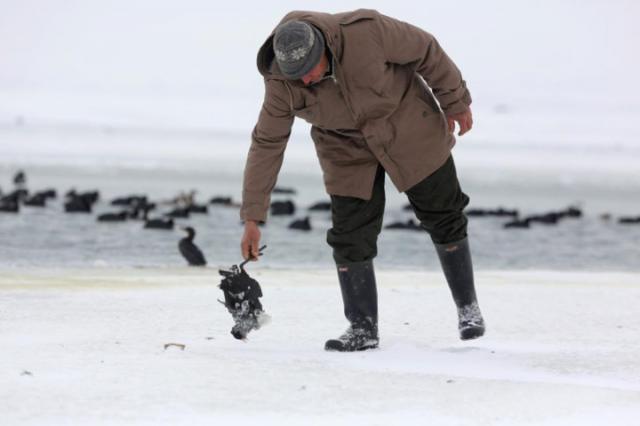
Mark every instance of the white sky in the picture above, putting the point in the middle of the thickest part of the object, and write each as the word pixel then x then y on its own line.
pixel 567 54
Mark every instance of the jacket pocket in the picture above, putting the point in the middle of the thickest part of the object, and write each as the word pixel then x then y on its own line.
pixel 432 113
pixel 429 106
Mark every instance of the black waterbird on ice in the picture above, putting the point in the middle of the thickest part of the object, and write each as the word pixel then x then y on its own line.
pixel 189 250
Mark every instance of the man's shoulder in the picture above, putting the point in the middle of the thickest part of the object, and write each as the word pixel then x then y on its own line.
pixel 343 18
pixel 346 18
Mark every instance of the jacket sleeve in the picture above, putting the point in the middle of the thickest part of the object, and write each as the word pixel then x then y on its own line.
pixel 268 142
pixel 405 44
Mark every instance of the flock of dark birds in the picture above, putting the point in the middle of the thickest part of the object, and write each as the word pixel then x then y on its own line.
pixel 133 207
pixel 516 221
pixel 137 207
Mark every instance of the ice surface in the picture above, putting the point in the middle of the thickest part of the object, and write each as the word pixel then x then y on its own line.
pixel 87 347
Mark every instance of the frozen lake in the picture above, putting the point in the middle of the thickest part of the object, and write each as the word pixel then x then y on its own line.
pixel 533 179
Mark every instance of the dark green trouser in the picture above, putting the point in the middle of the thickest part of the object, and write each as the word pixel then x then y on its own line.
pixel 437 202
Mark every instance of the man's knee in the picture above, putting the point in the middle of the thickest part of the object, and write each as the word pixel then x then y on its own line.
pixel 354 235
pixel 446 228
pixel 438 203
pixel 352 248
pixel 355 240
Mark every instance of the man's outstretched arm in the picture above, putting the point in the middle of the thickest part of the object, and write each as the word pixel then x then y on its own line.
pixel 268 142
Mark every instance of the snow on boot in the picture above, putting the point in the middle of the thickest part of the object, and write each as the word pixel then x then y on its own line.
pixel 354 339
pixel 470 322
pixel 455 259
pixel 360 298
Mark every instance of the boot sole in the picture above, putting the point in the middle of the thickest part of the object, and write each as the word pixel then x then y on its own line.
pixel 331 348
pixel 471 333
pixel 364 348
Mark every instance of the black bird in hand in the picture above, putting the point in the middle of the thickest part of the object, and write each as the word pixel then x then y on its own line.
pixel 190 251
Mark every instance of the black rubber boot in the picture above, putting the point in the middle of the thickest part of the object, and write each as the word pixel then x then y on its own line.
pixel 360 297
pixel 455 259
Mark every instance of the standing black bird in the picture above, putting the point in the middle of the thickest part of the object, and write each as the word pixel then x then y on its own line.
pixel 189 250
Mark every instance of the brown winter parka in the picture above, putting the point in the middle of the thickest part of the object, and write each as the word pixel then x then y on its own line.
pixel 374 109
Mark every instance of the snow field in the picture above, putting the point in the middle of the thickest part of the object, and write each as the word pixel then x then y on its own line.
pixel 87 347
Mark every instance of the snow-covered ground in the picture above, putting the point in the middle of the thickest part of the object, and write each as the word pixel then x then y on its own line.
pixel 88 347
pixel 161 95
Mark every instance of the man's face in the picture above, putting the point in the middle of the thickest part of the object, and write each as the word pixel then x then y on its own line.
pixel 316 72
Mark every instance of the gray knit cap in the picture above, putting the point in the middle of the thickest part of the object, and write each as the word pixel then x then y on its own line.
pixel 298 47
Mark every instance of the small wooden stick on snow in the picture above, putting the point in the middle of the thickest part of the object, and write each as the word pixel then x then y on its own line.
pixel 177 345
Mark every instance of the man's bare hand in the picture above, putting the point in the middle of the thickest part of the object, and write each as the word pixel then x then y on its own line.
pixel 250 240
pixel 464 120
